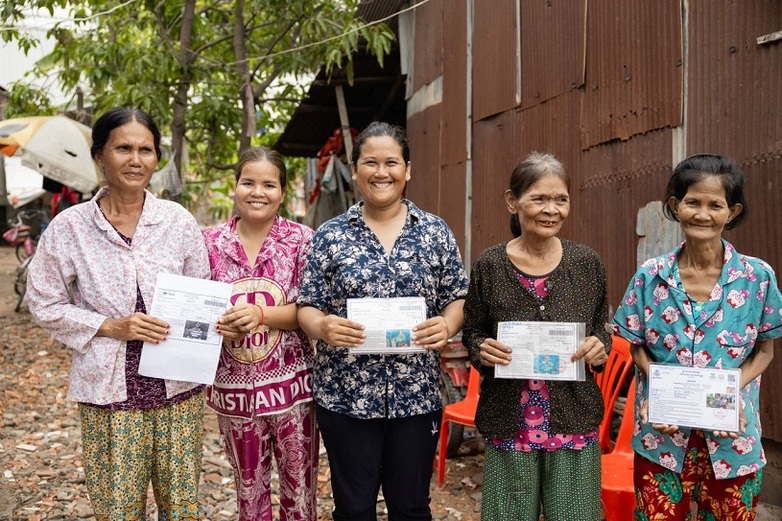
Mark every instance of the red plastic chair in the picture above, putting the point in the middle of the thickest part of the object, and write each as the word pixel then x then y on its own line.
pixel 610 381
pixel 460 412
pixel 618 492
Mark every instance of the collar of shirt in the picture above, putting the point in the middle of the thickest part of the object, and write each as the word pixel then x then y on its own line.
pixel 150 216
pixel 734 266
pixel 354 215
pixel 263 265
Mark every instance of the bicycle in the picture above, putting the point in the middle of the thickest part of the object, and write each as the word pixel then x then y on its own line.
pixel 20 283
pixel 25 231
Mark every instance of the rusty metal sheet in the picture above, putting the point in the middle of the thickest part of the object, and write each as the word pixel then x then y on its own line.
pixel 633 69
pixel 617 180
pixel 495 62
pixel 424 139
pixel 553 51
pixel 552 127
pixel 608 183
pixel 452 197
pixel 735 93
pixel 454 123
pixel 494 158
pixel 428 58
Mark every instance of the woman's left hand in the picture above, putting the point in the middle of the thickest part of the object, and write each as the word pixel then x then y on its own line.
pixel 742 427
pixel 431 334
pixel 239 320
pixel 592 350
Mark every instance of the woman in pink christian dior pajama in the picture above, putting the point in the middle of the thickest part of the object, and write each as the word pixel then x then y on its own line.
pixel 262 392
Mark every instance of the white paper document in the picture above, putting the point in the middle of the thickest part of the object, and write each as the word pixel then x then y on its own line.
pixel 541 350
pixel 191 306
pixel 701 398
pixel 388 323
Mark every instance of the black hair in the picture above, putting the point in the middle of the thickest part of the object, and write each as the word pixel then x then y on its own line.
pixel 117 117
pixel 694 169
pixel 262 154
pixel 379 129
pixel 533 168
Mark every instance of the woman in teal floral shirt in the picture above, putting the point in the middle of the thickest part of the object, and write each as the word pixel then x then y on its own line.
pixel 702 305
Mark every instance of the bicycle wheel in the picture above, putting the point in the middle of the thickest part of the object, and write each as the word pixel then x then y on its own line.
pixel 20 286
pixel 20 283
pixel 21 252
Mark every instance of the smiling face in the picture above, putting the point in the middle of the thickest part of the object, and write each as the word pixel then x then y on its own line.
pixel 381 172
pixel 542 208
pixel 128 158
pixel 258 194
pixel 703 212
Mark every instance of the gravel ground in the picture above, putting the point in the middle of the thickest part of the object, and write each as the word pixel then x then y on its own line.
pixel 40 449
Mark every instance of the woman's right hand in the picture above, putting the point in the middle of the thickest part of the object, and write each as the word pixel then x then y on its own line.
pixel 662 428
pixel 137 326
pixel 340 332
pixel 494 352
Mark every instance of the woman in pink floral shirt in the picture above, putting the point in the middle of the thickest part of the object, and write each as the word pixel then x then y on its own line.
pixel 262 392
pixel 90 284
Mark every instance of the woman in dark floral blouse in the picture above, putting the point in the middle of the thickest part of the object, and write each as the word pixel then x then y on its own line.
pixel 379 414
pixel 541 435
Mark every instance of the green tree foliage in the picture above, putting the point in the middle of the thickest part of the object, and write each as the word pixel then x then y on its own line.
pixel 220 74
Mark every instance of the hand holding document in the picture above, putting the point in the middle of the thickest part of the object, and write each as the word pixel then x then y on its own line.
pixel 542 350
pixel 388 323
pixel 701 398
pixel 191 306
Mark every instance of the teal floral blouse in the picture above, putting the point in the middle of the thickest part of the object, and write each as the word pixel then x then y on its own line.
pixel 745 307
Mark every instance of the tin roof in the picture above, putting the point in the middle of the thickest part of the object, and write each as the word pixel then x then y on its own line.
pixel 376 93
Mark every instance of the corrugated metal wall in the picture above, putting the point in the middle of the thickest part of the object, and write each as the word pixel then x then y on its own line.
pixel 602 85
pixel 735 108
pixel 440 131
pixel 424 135
pixel 495 62
pixel 453 137
pixel 494 140
pixel 634 69
pixel 552 49
pixel 428 55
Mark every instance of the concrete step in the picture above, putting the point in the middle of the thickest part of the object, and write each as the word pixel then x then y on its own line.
pixel 767 512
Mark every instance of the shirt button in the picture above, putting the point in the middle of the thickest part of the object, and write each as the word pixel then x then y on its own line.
pixel 542 308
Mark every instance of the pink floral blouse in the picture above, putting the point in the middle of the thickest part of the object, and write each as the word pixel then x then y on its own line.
pixel 83 272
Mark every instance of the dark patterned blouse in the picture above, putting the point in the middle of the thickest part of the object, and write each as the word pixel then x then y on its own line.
pixel 347 261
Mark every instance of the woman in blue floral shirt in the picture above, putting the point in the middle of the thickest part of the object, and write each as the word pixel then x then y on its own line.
pixel 702 305
pixel 379 415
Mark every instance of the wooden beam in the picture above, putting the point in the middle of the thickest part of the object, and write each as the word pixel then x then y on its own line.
pixel 344 122
pixel 365 80
pixel 769 38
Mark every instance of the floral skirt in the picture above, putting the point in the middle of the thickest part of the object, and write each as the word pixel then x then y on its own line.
pixel 662 494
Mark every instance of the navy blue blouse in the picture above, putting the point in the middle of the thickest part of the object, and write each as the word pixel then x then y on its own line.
pixel 347 261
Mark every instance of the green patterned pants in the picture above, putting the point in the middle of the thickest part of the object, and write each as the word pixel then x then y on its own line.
pixel 564 482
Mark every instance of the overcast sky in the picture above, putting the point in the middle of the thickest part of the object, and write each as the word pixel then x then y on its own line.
pixel 15 63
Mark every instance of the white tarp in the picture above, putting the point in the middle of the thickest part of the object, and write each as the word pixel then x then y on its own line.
pixel 60 150
pixel 22 183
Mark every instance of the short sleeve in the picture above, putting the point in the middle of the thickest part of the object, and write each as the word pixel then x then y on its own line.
pixel 316 284
pixel 771 318
pixel 628 320
pixel 453 280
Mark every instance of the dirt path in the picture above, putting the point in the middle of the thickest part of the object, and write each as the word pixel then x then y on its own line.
pixel 40 449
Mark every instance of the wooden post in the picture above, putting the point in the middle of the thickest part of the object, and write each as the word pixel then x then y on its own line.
pixel 347 138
